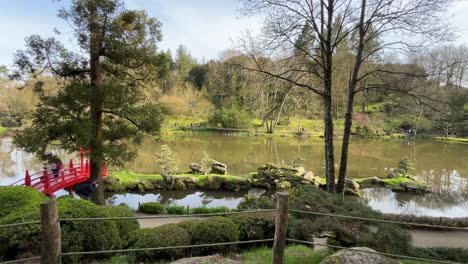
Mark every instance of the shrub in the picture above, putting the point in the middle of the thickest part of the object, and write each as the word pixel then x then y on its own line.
pixel 76 235
pixel 13 198
pixel 125 227
pixel 216 230
pixel 189 225
pixel 167 160
pixel 86 235
pixel 176 209
pixel 255 226
pixel 161 236
pixel 229 118
pixel 459 255
pixel 379 236
pixel 151 208
pixel 252 202
pixel 209 210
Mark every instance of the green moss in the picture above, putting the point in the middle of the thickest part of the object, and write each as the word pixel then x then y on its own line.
pixel 3 130
pixel 452 139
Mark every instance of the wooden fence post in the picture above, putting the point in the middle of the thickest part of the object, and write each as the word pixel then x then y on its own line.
pixel 51 246
pixel 281 227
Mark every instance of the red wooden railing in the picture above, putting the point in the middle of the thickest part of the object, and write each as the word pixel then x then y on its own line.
pixel 69 175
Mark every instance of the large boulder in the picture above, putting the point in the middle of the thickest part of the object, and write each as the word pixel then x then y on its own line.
pixel 357 256
pixel 413 187
pixel 300 171
pixel 372 181
pixel 195 168
pixel 219 168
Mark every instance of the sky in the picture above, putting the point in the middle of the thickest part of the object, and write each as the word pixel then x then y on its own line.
pixel 205 27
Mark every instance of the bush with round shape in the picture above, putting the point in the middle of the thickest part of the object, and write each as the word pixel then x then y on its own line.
pixel 13 198
pixel 176 210
pixel 252 202
pixel 216 230
pixel 209 210
pixel 86 235
pixel 151 208
pixel 161 236
pixel 125 227
pixel 255 226
pixel 189 225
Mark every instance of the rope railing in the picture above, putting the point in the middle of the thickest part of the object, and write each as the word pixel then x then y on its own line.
pixel 166 216
pixel 380 220
pixel 166 248
pixel 370 252
pixel 20 260
pixel 21 224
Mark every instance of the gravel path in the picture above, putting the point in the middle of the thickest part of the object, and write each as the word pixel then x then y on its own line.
pixel 421 238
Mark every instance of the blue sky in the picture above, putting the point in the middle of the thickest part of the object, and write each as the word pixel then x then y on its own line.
pixel 205 27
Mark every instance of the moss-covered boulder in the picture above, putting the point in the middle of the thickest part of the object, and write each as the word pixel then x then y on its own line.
pixel 13 198
pixel 275 176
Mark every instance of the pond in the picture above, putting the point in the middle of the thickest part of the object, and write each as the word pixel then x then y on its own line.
pixel 443 165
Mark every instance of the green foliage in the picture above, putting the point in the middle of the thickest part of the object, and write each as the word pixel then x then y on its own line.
pixel 458 255
pixel 14 198
pixel 167 160
pixel 206 163
pixel 209 210
pixel 125 227
pixel 405 166
pixel 121 45
pixel 295 254
pixel 151 208
pixel 229 118
pixel 189 225
pixel 345 232
pixel 255 226
pixel 216 230
pixel 252 202
pixel 76 235
pixel 161 236
pixel 176 209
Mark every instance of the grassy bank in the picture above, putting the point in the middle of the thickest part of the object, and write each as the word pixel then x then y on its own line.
pixel 452 139
pixel 3 130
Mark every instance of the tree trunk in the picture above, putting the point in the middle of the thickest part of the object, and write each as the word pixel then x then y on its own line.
pixel 329 148
pixel 349 109
pixel 97 158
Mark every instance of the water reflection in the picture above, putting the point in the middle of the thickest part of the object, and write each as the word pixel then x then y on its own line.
pixel 190 198
pixel 434 204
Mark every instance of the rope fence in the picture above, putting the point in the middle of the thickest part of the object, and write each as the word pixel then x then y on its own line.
pixel 51 235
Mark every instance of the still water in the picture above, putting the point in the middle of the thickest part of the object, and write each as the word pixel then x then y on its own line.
pixel 443 165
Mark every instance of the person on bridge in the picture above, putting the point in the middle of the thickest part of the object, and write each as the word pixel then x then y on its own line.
pixel 56 166
pixel 86 189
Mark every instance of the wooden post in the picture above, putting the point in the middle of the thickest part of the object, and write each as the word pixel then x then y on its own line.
pixel 281 227
pixel 51 246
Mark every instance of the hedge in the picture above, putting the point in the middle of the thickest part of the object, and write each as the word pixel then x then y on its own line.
pixel 176 209
pixel 151 208
pixel 13 198
pixel 255 226
pixel 209 210
pixel 161 236
pixel 216 230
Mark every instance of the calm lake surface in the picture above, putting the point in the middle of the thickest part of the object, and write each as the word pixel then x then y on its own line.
pixel 441 164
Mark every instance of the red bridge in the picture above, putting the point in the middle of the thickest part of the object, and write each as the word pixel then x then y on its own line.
pixel 68 176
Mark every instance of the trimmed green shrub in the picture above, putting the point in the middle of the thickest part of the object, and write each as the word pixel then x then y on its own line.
pixel 251 202
pixel 216 230
pixel 125 227
pixel 161 236
pixel 86 235
pixel 255 226
pixel 24 241
pixel 13 198
pixel 151 208
pixel 209 210
pixel 189 225
pixel 176 209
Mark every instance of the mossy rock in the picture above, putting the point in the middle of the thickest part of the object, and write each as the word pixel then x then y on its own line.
pixel 13 198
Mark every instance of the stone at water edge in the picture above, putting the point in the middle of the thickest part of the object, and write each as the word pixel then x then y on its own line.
pixel 309 176
pixel 350 184
pixel 352 192
pixel 373 180
pixel 300 170
pixel 391 175
pixel 219 168
pixel 196 168
pixel 346 256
